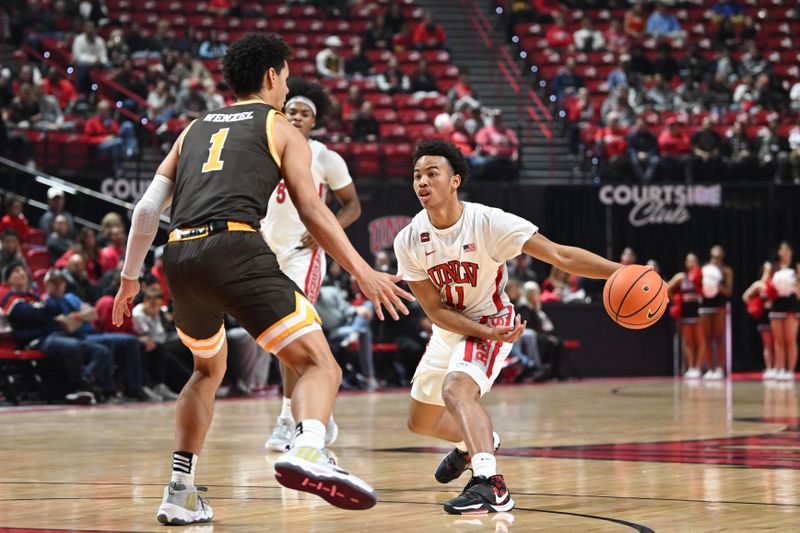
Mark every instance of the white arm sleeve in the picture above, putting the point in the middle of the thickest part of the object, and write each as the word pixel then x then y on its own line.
pixel 144 224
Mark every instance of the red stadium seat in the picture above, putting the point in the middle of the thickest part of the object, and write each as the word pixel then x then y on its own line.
pixel 365 160
pixel 36 237
pixel 392 132
pixel 419 132
pixel 396 159
pixel 38 258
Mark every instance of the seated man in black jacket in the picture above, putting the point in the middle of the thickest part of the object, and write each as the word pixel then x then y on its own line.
pixel 38 326
pixel 643 152
pixel 550 347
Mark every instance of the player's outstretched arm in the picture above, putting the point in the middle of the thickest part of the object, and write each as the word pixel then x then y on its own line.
pixel 144 226
pixel 570 258
pixel 446 318
pixel 380 288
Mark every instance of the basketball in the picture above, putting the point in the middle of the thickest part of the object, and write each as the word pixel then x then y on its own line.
pixel 635 296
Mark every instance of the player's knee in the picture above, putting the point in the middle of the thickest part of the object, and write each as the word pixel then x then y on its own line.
pixel 453 394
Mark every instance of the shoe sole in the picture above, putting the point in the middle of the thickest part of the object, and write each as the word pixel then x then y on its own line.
pixel 340 490
pixel 484 508
pixel 172 515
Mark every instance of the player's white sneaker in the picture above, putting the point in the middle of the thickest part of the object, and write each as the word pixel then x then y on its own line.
pixel 310 470
pixel 714 374
pixel 784 375
pixel 692 373
pixel 769 373
pixel 182 505
pixel 282 435
pixel 331 432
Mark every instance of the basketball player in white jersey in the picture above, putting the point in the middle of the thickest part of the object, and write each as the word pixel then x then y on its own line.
pixel 453 255
pixel 299 256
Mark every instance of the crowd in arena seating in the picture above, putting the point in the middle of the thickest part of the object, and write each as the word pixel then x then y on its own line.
pixel 670 90
pixel 155 77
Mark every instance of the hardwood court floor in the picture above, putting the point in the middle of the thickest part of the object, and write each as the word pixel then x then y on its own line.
pixel 612 455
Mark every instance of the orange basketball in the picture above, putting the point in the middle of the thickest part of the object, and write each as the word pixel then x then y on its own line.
pixel 635 296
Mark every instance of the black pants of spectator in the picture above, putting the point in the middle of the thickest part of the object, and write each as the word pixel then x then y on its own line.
pixel 165 365
pixel 551 350
pixel 83 78
pixel 616 169
pixel 742 169
pixel 644 170
pixel 776 169
pixel 704 170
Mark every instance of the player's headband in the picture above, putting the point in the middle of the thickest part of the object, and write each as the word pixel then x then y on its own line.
pixel 302 100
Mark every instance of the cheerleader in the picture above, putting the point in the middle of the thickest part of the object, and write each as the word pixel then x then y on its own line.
pixel 717 288
pixel 758 306
pixel 782 287
pixel 688 285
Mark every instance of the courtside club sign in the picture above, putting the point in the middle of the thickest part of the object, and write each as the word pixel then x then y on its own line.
pixel 660 204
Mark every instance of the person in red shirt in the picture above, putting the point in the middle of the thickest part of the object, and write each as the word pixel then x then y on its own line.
pixel 109 137
pixel 557 35
pixel 500 146
pixel 158 271
pixel 673 143
pixel 56 85
pixel 611 144
pixel 429 35
pixel 14 219
pixel 111 256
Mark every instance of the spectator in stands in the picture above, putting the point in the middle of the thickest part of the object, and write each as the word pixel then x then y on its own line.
pixel 55 207
pixel 725 37
pixel 794 154
pixel 770 96
pixel 580 113
pixel 612 145
pixel 752 61
pixel 56 85
pixel 660 95
pixel 148 323
pixel 634 21
pixel 37 326
pixel 393 80
pixel 615 37
pixel 110 137
pixel 558 35
pixel 78 282
pixel 88 51
pixel 157 271
pixel 50 115
pixel 14 219
pixel 689 97
pixel 358 64
pixel 627 257
pixel 365 125
pixel 191 102
pixel 718 94
pixel 329 61
pixel 618 102
pixel 749 32
pixel 86 246
pixel 665 64
pixel 139 43
pixel 24 111
pixel 429 35
pixel 190 42
pixel 117 47
pixel 212 48
pixel 694 66
pixel 110 220
pixel 547 9
pixel 461 95
pixel 587 38
pixel 566 82
pixel 353 103
pixel 394 18
pixel 551 348
pixel 188 69
pixel 422 81
pixel 726 66
pixel 133 81
pixel 95 11
pixel 11 251
pixel 730 10
pixel 673 145
pixel 244 356
pixel 219 8
pixel 111 255
pixel 643 152
pixel 377 35
pixel 708 149
pixel 521 268
pixel 58 242
pixel 622 75
pixel 741 162
pixel 524 355
pixel 464 140
pixel 773 152
pixel 662 24
pixel 122 344
pixel 640 63
pixel 402 41
pixel 744 94
pixel 500 146
pixel 160 102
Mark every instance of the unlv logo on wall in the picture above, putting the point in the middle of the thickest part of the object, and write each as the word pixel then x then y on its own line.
pixel 382 231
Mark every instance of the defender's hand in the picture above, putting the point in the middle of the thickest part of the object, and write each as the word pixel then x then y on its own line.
pixel 382 290
pixel 128 289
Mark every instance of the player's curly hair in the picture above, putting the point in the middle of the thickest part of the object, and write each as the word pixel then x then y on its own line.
pixel 447 150
pixel 249 59
pixel 313 91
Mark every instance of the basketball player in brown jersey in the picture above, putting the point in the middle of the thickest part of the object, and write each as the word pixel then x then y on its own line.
pixel 219 176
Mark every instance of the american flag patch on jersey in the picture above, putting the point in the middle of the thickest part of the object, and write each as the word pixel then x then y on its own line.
pixel 425 237
pixel 470 247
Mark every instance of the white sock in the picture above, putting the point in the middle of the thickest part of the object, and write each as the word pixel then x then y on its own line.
pixel 310 433
pixel 484 464
pixel 462 446
pixel 183 468
pixel 495 440
pixel 286 408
